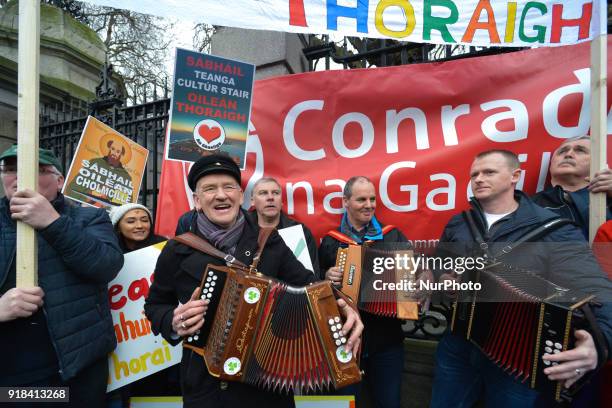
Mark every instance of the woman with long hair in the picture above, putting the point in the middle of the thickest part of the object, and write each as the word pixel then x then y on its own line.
pixel 134 227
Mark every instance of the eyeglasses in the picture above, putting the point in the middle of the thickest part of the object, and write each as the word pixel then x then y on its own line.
pixel 11 170
pixel 210 190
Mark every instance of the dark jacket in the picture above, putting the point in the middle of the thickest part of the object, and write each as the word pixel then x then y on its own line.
pixel 561 256
pixel 379 332
pixel 286 222
pixel 152 239
pixel 178 272
pixel 186 222
pixel 573 205
pixel 78 255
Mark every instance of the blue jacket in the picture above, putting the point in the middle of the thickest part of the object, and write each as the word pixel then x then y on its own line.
pixel 561 256
pixel 78 255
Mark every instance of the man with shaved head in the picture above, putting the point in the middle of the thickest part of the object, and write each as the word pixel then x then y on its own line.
pixel 500 216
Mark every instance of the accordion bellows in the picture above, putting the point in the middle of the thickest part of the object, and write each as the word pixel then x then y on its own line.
pixel 272 335
pixel 516 318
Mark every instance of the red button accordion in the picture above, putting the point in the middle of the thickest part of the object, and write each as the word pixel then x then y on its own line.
pixel 271 335
pixel 517 317
pixel 375 288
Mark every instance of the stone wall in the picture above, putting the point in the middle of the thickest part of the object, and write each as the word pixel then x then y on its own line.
pixel 71 57
pixel 274 53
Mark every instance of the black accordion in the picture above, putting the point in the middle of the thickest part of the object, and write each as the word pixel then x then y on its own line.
pixel 376 289
pixel 271 335
pixel 517 317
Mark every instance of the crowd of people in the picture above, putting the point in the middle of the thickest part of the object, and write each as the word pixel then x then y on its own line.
pixel 60 332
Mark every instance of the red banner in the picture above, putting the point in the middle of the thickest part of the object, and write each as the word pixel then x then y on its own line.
pixel 412 129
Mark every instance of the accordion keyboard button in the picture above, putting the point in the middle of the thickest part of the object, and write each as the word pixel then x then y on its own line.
pixel 338 326
pixel 556 351
pixel 338 342
pixel 549 343
pixel 336 335
pixel 343 340
pixel 331 322
pixel 558 346
pixel 333 328
pixel 546 362
pixel 337 319
pixel 548 349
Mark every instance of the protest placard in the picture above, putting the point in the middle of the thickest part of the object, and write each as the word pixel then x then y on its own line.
pixel 139 353
pixel 211 105
pixel 107 168
pixel 296 241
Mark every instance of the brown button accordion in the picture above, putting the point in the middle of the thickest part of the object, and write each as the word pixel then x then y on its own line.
pixel 372 291
pixel 268 334
pixel 516 318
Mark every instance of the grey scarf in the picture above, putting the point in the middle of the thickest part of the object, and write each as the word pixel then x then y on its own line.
pixel 225 239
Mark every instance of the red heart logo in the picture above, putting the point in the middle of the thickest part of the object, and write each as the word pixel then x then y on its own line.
pixel 209 134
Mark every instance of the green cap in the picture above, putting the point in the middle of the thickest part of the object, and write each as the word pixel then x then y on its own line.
pixel 45 156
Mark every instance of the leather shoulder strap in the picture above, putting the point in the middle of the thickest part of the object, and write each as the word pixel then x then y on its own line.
pixel 535 234
pixel 264 234
pixel 199 244
pixel 388 228
pixel 338 236
pixel 198 350
pixel 478 238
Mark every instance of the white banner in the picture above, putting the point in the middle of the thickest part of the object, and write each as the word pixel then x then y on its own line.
pixel 519 23
pixel 139 353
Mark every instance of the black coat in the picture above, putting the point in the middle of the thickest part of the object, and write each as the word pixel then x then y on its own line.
pixel 379 332
pixel 573 205
pixel 178 272
pixel 311 243
pixel 152 239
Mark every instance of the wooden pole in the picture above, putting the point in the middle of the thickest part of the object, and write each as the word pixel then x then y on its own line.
pixel 599 132
pixel 27 132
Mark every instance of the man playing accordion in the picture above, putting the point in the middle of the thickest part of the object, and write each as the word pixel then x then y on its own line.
pixel 174 306
pixel 500 215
